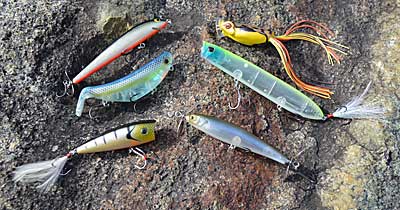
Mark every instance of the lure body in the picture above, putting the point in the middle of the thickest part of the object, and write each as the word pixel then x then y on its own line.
pixel 251 35
pixel 47 172
pixel 234 135
pixel 129 136
pixel 123 45
pixel 262 82
pixel 131 87
pixel 243 34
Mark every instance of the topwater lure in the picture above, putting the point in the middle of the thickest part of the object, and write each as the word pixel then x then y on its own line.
pixel 238 137
pixel 250 35
pixel 47 172
pixel 131 87
pixel 280 92
pixel 125 44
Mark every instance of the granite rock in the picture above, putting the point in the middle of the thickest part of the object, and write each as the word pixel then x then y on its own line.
pixel 355 163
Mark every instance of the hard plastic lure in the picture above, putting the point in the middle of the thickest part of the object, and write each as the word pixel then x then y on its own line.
pixel 250 35
pixel 131 87
pixel 238 137
pixel 47 172
pixel 235 136
pixel 280 92
pixel 126 43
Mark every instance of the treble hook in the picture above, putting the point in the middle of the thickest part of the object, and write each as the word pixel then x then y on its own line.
pixel 67 84
pixel 90 114
pixel 181 116
pixel 296 166
pixel 237 86
pixel 103 103
pixel 139 152
pixel 132 51
pixel 293 163
pixel 179 129
pixel 136 110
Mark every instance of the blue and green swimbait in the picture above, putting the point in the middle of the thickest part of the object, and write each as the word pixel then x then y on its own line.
pixel 131 87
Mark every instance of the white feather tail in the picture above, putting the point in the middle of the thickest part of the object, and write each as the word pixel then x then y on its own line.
pixel 46 172
pixel 355 109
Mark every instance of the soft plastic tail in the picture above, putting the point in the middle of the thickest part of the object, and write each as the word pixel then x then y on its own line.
pixel 356 110
pixel 85 94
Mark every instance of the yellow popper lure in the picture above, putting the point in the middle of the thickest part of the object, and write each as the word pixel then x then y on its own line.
pixel 250 35
pixel 47 172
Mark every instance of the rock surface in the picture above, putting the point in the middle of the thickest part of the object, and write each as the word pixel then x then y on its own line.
pixel 356 163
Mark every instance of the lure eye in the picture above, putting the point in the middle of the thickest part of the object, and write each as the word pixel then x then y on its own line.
pixel 228 25
pixel 156 19
pixel 210 49
pixel 144 131
pixel 166 61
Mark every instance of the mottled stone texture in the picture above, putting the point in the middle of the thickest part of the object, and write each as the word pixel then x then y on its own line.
pixel 356 164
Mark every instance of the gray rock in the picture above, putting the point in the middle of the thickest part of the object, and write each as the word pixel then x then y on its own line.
pixel 356 164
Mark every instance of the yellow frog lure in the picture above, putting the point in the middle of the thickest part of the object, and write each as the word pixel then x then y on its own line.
pixel 250 35
pixel 47 172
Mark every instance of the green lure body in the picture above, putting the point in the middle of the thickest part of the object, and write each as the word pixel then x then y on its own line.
pixel 262 82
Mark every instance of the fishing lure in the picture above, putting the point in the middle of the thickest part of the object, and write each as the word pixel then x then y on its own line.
pixel 131 87
pixel 47 172
pixel 250 35
pixel 238 137
pixel 281 93
pixel 126 43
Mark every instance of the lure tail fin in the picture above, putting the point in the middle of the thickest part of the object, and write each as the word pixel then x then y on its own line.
pixel 45 172
pixel 355 109
pixel 85 94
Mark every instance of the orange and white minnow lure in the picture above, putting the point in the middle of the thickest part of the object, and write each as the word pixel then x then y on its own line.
pixel 47 172
pixel 126 43
pixel 251 35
